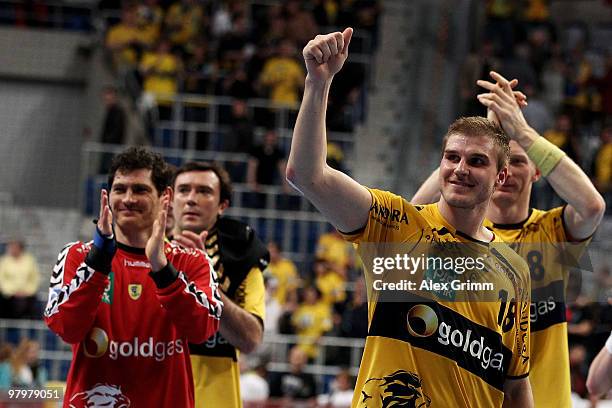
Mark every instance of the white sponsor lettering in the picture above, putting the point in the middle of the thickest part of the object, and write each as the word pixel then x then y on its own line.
pixel 148 349
pixel 476 347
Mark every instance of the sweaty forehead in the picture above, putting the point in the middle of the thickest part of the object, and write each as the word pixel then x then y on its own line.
pixel 470 144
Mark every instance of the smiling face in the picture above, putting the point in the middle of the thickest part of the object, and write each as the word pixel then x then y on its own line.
pixel 522 173
pixel 134 200
pixel 197 200
pixel 468 171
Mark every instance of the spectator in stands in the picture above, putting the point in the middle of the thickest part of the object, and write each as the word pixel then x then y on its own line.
pixel 578 73
pixel 113 129
pixel 27 371
pixel 563 136
pixel 114 126
pixel 253 385
pixel 295 384
pixel 235 46
pixel 185 24
pixel 355 317
pixel 537 112
pixel 604 89
pixel 274 309
pixel 335 156
pixel 311 320
pixel 200 69
pixel 150 20
pixel 602 165
pixel 581 324
pixel 578 362
pixel 282 75
pixel 239 139
pixel 6 350
pixel 160 71
pixel 266 163
pixel 126 40
pixel 340 393
pixel 19 279
pixel 301 24
pixel 284 272
pixel 477 65
pixel 325 12
pixel 329 282
pixel 336 251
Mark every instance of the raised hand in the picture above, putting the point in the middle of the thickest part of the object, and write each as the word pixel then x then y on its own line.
pixel 155 245
pixel 190 239
pixel 325 54
pixel 105 219
pixel 520 97
pixel 501 100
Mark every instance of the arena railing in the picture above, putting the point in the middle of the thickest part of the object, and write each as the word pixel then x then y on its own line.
pixel 56 355
pixel 183 130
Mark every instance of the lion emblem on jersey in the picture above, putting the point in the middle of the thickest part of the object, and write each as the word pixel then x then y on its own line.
pixel 400 389
pixel 100 396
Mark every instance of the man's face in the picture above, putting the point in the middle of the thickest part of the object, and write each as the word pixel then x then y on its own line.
pixel 134 200
pixel 468 171
pixel 197 200
pixel 522 173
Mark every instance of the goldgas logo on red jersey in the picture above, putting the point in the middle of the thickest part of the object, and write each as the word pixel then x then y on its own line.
pixel 97 344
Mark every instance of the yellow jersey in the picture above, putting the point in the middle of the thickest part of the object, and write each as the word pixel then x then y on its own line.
pixel 431 350
pixel 311 322
pixel 286 274
pixel 215 363
pixel 541 240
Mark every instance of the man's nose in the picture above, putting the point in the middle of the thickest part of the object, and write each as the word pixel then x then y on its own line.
pixel 129 196
pixel 462 168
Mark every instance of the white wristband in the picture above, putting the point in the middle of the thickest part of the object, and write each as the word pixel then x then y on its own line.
pixel 609 344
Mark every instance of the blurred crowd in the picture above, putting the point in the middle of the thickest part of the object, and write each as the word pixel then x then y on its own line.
pixel 20 365
pixel 234 48
pixel 566 76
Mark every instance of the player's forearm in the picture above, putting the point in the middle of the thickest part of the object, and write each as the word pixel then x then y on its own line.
pixel 429 192
pixel 517 394
pixel 599 380
pixel 240 327
pixel 587 206
pixel 309 145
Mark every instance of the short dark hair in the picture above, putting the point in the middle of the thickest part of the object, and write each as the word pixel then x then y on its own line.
pixel 136 158
pixel 225 182
pixel 480 126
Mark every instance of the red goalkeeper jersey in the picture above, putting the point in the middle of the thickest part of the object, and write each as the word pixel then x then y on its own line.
pixel 129 338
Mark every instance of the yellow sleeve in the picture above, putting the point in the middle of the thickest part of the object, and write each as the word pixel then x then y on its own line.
pixel 252 292
pixel 390 219
pixel 555 227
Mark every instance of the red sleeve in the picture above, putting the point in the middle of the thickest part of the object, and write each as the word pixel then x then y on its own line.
pixel 75 292
pixel 192 300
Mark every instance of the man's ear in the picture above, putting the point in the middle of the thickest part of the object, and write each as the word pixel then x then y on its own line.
pixel 536 175
pixel 169 192
pixel 223 206
pixel 501 177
